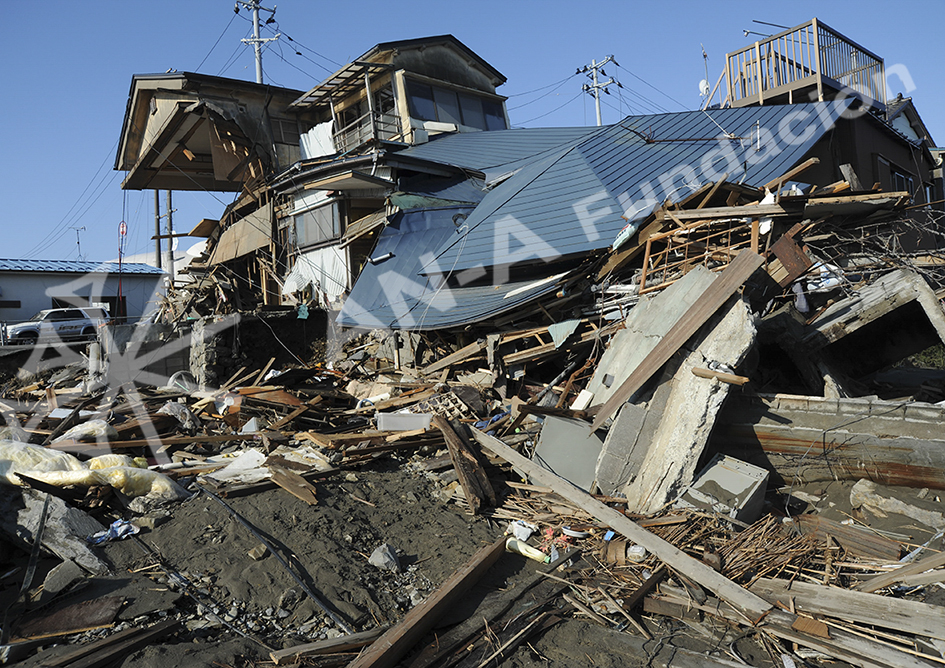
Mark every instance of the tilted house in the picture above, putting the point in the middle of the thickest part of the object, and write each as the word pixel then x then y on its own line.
pixel 395 95
pixel 396 191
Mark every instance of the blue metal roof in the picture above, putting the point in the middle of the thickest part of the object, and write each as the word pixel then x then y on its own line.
pixel 77 267
pixel 432 191
pixel 487 151
pixel 392 294
pixel 577 198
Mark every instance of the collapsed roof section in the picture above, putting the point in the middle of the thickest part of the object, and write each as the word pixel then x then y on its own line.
pixel 578 199
pixel 559 195
pixel 185 131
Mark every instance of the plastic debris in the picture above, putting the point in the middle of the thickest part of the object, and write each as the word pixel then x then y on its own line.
pixel 117 530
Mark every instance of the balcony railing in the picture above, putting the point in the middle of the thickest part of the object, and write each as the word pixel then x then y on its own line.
pixel 809 62
pixel 372 125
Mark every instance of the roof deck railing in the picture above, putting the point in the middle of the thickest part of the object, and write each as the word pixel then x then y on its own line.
pixel 809 62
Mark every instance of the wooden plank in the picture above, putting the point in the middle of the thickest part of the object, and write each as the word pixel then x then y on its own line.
pixel 461 354
pixel 892 577
pixel 112 653
pixel 754 606
pixel 279 424
pixel 791 173
pixel 858 542
pixel 842 645
pixel 387 650
pixel 697 315
pixel 729 378
pixel 856 606
pixel 749 210
pixel 262 373
pixel 329 646
pixel 294 484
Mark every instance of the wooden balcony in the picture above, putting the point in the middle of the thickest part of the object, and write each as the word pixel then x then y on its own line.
pixel 809 62
pixel 371 126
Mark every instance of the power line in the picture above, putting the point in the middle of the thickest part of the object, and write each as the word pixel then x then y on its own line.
pixel 555 109
pixel 653 87
pixel 557 83
pixel 62 227
pixel 215 43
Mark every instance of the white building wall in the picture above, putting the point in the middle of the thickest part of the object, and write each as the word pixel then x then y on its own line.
pixel 35 291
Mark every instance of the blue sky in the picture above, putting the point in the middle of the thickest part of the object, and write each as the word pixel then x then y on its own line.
pixel 68 69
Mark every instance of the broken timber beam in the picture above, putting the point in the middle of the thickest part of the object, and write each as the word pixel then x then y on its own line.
pixel 473 348
pixel 856 606
pixel 472 477
pixel 387 650
pixel 697 315
pixel 892 577
pixel 791 173
pixel 753 606
pixel 729 378
pixel 329 646
pixel 749 210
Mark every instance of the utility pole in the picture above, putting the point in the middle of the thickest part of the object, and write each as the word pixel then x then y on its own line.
pixel 170 238
pixel 256 40
pixel 157 229
pixel 595 86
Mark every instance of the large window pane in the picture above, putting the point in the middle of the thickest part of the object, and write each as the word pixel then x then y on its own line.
pixel 447 107
pixel 420 97
pixel 472 112
pixel 495 119
pixel 316 225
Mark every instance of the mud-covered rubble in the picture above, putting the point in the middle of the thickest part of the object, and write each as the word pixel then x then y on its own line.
pixel 684 441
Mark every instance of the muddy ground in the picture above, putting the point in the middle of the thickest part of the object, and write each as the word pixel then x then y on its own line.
pixel 238 607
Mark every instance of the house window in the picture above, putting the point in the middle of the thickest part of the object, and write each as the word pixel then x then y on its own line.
pixel 902 182
pixel 9 303
pixel 435 103
pixel 316 225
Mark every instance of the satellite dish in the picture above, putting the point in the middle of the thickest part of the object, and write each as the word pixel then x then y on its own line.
pixel 704 88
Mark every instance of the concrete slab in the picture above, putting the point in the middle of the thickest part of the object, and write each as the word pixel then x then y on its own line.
pixel 689 413
pixel 648 322
pixel 566 447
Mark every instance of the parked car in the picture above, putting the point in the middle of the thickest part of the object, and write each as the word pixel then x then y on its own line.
pixel 58 324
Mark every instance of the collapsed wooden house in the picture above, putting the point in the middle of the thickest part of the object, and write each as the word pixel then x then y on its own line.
pixel 638 342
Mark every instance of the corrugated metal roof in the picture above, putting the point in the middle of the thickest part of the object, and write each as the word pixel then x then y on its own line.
pixel 446 191
pixel 484 151
pixel 77 267
pixel 392 294
pixel 573 200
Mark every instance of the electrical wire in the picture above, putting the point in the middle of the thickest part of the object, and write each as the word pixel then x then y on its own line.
pixel 557 83
pixel 232 17
pixel 555 109
pixel 62 227
pixel 666 95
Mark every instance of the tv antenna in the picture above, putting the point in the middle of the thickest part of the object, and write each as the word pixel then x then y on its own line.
pixel 78 242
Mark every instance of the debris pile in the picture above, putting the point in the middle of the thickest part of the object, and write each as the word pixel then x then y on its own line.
pixel 697 446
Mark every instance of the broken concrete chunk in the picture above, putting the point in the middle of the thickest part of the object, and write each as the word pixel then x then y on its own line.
pixel 690 409
pixel 259 552
pixel 385 558
pixel 66 527
pixel 59 579
pixel 866 494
